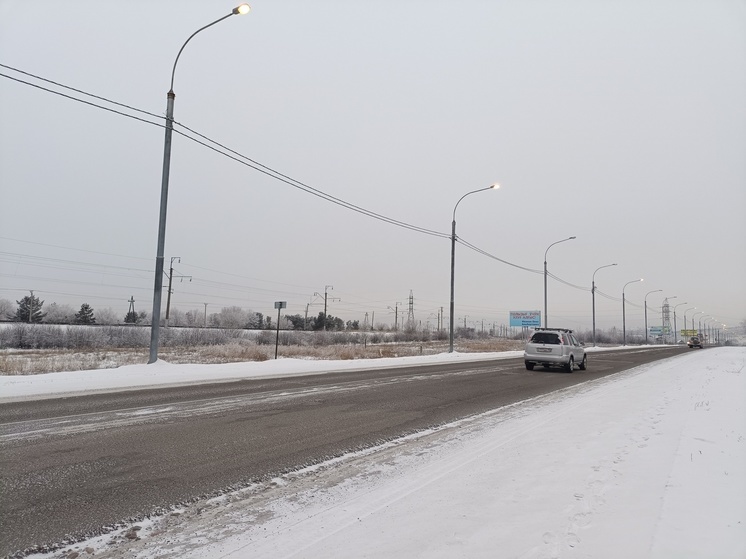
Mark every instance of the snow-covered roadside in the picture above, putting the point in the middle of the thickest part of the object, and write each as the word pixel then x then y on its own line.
pixel 647 463
pixel 162 373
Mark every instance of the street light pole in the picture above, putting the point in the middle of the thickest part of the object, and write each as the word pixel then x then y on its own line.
pixel 686 311
pixel 545 275
pixel 646 313
pixel 675 331
pixel 695 314
pixel 158 284
pixel 699 324
pixel 624 318
pixel 453 257
pixel 706 337
pixel 593 296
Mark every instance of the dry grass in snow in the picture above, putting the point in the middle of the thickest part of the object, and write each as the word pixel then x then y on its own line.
pixel 36 361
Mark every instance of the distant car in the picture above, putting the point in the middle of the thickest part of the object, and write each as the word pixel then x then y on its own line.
pixel 555 347
pixel 694 342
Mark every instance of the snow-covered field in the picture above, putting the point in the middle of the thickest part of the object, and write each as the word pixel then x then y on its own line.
pixel 649 463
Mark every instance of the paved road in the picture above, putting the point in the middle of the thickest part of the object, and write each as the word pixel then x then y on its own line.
pixel 74 465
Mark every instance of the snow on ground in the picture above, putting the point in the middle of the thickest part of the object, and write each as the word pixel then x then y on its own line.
pixel 649 463
pixel 162 373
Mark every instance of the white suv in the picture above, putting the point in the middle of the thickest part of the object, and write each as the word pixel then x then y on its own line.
pixel 555 347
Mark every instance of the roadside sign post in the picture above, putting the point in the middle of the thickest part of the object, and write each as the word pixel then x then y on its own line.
pixel 525 319
pixel 279 305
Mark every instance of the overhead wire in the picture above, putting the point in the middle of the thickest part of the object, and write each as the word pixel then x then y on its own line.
pixel 257 166
pixel 80 100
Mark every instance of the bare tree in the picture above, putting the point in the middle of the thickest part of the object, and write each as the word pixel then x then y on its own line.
pixel 107 316
pixel 230 317
pixel 60 314
pixel 7 309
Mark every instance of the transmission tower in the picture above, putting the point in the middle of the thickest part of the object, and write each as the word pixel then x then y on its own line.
pixel 410 316
pixel 666 317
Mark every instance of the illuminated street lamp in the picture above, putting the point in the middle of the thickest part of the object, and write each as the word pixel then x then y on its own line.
pixel 453 257
pixel 158 286
pixel 593 297
pixel 624 319
pixel 545 275
pixel 646 313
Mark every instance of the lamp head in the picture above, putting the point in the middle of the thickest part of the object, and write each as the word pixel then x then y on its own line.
pixel 242 9
pixel 494 186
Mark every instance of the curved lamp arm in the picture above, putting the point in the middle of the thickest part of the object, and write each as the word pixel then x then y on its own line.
pixel 238 10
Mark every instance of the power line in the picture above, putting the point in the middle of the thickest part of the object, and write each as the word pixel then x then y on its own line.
pixel 260 167
pixel 81 100
pixel 71 248
pixel 488 255
pixel 79 91
pixel 16 258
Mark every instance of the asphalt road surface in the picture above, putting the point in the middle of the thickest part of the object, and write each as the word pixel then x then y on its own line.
pixel 71 466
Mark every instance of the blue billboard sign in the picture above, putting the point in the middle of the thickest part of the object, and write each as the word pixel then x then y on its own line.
pixel 525 318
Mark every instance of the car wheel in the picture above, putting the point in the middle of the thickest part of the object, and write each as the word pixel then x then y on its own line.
pixel 570 365
pixel 529 366
pixel 584 363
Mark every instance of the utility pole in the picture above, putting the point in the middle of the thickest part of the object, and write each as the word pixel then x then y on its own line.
pixel 410 316
pixel 170 277
pixel 31 306
pixel 205 304
pixel 326 300
pixel 396 315
pixel 131 311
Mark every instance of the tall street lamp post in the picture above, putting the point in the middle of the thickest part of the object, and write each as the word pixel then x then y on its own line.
pixel 545 276
pixel 693 315
pixel 686 311
pixel 453 257
pixel 593 297
pixel 646 313
pixel 624 318
pixel 703 322
pixel 675 331
pixel 699 327
pixel 158 285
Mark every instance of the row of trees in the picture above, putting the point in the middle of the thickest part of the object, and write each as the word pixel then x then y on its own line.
pixel 31 309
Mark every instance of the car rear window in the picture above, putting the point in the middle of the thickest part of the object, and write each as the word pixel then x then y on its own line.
pixel 545 338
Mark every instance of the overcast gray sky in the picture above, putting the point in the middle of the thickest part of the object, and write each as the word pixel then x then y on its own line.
pixel 620 123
